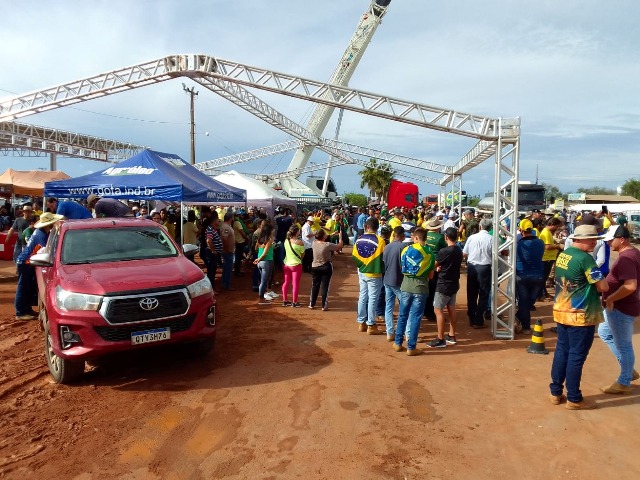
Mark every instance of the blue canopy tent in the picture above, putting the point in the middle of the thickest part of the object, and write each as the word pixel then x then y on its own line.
pixel 149 175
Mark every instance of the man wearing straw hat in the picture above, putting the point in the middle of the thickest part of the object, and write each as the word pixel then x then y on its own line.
pixel 27 289
pixel 577 311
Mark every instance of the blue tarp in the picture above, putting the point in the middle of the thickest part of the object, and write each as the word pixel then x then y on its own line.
pixel 148 175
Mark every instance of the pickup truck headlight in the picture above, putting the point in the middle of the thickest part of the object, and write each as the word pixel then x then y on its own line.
pixel 76 301
pixel 200 287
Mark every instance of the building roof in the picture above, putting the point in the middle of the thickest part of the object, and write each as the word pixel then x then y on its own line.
pixel 609 199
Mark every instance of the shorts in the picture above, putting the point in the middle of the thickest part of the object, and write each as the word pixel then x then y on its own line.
pixel 440 300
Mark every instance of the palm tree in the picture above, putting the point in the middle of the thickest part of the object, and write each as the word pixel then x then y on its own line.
pixel 377 178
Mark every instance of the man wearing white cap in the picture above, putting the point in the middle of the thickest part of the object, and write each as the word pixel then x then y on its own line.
pixel 577 311
pixel 27 288
pixel 622 303
pixel 451 221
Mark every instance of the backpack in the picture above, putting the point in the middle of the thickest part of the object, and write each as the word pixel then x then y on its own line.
pixel 415 261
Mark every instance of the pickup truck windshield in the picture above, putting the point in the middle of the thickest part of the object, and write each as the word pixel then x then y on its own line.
pixel 115 244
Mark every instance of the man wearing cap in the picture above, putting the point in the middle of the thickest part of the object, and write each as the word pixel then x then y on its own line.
pixel 396 221
pixel 469 225
pixel 551 249
pixel 111 208
pixel 19 225
pixel 409 225
pixel 451 221
pixel 477 251
pixel 622 303
pixel 27 289
pixel 308 237
pixel 577 311
pixel 435 241
pixel 529 274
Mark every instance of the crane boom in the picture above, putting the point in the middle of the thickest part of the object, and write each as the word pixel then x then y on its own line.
pixel 342 74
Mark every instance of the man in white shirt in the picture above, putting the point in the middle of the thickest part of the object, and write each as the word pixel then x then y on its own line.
pixel 308 237
pixel 477 251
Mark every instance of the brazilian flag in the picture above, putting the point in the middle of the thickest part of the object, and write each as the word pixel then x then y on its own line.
pixel 367 252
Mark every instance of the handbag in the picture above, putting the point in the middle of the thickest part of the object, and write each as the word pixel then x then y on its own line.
pixel 294 252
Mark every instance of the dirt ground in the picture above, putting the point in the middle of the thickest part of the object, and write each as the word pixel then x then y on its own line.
pixel 296 393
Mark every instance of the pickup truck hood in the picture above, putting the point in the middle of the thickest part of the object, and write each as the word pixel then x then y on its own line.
pixel 112 277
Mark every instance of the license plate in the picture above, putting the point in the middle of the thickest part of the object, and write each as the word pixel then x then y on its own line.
pixel 150 336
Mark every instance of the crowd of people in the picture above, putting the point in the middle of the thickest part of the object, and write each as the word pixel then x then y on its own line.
pixel 572 251
pixel 414 256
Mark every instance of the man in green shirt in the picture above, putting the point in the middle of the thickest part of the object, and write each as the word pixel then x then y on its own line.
pixel 417 263
pixel 577 310
pixel 435 241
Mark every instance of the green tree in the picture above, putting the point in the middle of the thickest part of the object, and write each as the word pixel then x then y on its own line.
pixel 597 191
pixel 631 187
pixel 551 191
pixel 473 201
pixel 377 178
pixel 357 199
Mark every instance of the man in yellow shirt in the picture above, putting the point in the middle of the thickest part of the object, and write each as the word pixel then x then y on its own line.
pixel 396 221
pixel 551 249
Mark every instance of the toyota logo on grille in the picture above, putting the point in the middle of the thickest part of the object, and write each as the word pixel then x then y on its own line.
pixel 149 303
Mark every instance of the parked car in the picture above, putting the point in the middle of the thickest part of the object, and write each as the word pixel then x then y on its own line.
pixel 114 284
pixel 634 226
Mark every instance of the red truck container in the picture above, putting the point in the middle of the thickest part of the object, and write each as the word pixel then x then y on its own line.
pixel 402 194
pixel 6 249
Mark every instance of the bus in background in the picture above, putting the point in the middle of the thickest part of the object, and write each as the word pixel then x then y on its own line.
pixel 429 200
pixel 531 196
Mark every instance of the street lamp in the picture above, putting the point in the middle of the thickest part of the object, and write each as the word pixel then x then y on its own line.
pixel 192 93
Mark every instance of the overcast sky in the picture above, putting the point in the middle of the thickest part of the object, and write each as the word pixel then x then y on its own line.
pixel 570 70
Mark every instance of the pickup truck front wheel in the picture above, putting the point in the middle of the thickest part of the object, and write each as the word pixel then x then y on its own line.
pixel 61 369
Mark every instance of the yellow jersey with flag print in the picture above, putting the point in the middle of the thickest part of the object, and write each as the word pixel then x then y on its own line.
pixel 417 260
pixel 367 253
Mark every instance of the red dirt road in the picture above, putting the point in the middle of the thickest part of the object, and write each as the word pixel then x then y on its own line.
pixel 296 393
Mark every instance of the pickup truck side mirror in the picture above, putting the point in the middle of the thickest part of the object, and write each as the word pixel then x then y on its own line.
pixel 41 260
pixel 189 249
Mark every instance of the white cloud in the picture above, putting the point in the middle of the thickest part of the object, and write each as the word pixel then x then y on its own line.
pixel 570 70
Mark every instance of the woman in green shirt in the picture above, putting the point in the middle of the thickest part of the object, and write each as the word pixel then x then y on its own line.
pixel 292 268
pixel 264 261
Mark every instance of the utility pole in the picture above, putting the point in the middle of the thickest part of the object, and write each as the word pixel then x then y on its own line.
pixel 192 93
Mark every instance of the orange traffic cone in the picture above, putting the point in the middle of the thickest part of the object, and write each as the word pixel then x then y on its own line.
pixel 537 340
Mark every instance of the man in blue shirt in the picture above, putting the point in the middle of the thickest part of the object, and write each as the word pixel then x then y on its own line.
pixel 27 289
pixel 71 210
pixel 529 274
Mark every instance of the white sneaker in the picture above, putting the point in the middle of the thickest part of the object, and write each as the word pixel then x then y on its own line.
pixel 272 294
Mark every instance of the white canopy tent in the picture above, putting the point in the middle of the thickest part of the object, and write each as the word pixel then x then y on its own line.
pixel 258 194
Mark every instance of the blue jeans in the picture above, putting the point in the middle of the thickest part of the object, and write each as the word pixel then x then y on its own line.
pixel 227 269
pixel 617 331
pixel 571 352
pixel 411 310
pixel 17 250
pixel 211 262
pixel 527 289
pixel 381 305
pixel 478 290
pixel 368 299
pixel 390 293
pixel 266 269
pixel 26 290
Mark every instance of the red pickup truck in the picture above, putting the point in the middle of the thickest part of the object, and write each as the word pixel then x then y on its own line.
pixel 114 284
